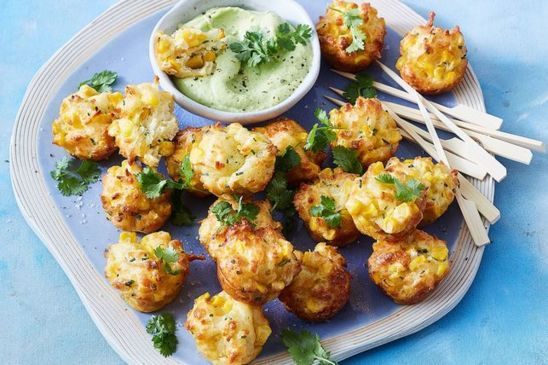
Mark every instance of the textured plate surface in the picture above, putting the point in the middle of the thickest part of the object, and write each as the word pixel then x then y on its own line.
pixel 76 232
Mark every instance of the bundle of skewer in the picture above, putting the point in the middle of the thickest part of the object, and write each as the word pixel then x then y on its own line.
pixel 477 139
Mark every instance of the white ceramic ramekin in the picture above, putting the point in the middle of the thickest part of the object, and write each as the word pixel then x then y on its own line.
pixel 186 10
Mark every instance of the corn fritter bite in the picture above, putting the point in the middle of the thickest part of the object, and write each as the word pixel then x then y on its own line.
pixel 255 265
pixel 285 133
pixel 433 60
pixel 189 52
pixel 127 207
pixel 146 281
pixel 351 35
pixel 212 231
pixel 386 204
pixel 322 287
pixel 146 124
pixel 226 331
pixel 439 179
pixel 366 128
pixel 408 270
pixel 82 125
pixel 335 226
pixel 185 140
pixel 233 159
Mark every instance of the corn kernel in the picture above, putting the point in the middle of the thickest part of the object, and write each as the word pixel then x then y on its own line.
pixel 417 262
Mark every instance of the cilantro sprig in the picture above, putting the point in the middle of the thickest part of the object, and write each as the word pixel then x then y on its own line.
pixel 74 178
pixel 256 49
pixel 168 256
pixel 101 81
pixel 353 21
pixel 347 159
pixel 162 328
pixel 278 192
pixel 181 215
pixel 305 348
pixel 228 216
pixel 404 192
pixel 362 86
pixel 153 183
pixel 321 133
pixel 327 210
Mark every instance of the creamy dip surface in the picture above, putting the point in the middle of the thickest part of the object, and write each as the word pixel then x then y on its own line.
pixel 236 87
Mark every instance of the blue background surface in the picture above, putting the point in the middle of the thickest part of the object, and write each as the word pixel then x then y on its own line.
pixel 501 320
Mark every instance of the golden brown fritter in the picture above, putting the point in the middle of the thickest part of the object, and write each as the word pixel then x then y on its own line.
pixel 322 288
pixel 188 52
pixel 433 60
pixel 285 133
pixel 336 36
pixel 146 124
pixel 82 125
pixel 255 265
pixel 233 159
pixel 411 268
pixel 440 181
pixel 376 209
pixel 332 184
pixel 135 270
pixel 366 128
pixel 184 142
pixel 227 332
pixel 127 207
pixel 212 232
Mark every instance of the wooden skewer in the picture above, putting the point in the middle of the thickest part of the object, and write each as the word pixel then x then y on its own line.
pixel 486 208
pixel 494 167
pixel 462 112
pixel 495 146
pixel 468 208
pixel 470 129
pixel 461 164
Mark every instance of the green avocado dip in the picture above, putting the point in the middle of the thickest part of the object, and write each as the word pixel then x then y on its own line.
pixel 235 86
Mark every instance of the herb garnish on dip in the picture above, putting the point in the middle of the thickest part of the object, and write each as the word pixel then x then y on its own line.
pixel 265 61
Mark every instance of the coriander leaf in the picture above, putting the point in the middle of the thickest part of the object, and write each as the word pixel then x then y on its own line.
pixel 288 38
pixel 278 193
pixel 404 192
pixel 224 213
pixel 305 348
pixel 288 161
pixel 327 210
pixel 228 216
pixel 353 21
pixel 288 220
pixel 186 171
pixel 321 134
pixel 347 159
pixel 88 171
pixel 181 216
pixel 101 81
pixel 162 328
pixel 362 86
pixel 358 40
pixel 73 179
pixel 255 49
pixel 153 183
pixel 168 256
pixel 247 210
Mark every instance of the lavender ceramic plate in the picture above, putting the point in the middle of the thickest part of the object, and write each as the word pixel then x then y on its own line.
pixel 76 231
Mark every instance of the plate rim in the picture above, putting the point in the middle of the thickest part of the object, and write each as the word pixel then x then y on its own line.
pixel 114 319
